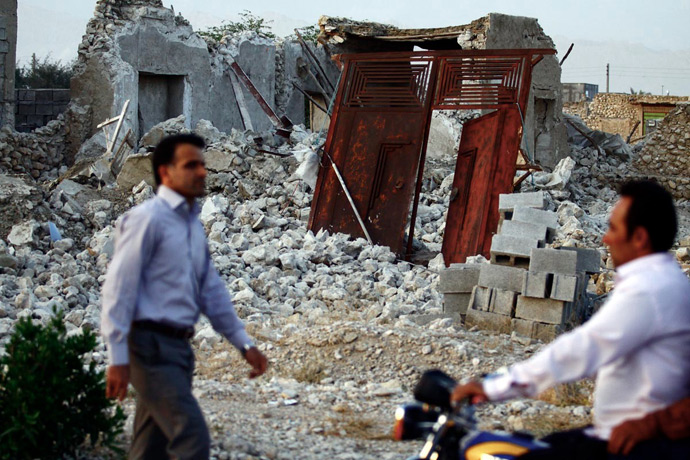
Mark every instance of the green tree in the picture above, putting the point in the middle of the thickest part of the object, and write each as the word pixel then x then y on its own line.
pixel 52 403
pixel 247 22
pixel 310 34
pixel 44 73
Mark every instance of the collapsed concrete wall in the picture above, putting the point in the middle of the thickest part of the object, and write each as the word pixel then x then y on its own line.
pixel 8 57
pixel 545 136
pixel 666 154
pixel 138 50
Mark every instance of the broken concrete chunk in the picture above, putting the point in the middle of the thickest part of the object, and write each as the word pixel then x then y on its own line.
pixel 135 169
pixel 218 161
pixel 24 234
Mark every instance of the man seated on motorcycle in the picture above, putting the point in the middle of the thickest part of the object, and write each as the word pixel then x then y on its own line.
pixel 638 343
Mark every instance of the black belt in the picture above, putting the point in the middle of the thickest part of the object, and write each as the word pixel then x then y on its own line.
pixel 165 329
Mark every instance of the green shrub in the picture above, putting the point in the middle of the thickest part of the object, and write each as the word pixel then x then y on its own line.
pixel 52 404
pixel 43 74
pixel 247 22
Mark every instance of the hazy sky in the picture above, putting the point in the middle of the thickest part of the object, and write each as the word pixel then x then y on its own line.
pixel 646 42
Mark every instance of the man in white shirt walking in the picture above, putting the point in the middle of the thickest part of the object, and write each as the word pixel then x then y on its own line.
pixel 160 280
pixel 637 344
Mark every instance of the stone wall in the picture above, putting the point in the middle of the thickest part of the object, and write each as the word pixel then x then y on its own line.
pixel 617 113
pixel 39 154
pixel 36 107
pixel 8 58
pixel 666 154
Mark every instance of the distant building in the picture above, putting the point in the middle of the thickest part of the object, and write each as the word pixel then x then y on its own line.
pixel 578 92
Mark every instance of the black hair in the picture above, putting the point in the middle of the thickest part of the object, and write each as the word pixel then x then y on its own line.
pixel 652 209
pixel 165 150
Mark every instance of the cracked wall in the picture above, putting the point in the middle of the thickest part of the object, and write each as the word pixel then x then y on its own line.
pixel 138 50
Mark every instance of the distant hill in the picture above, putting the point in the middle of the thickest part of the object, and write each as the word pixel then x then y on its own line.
pixel 631 65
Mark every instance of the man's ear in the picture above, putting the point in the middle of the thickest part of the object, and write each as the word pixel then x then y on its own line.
pixel 163 172
pixel 641 238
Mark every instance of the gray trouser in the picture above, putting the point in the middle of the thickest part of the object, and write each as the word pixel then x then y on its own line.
pixel 168 421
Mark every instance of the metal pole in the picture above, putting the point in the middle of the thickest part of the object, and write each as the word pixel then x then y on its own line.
pixel 349 198
pixel 607 78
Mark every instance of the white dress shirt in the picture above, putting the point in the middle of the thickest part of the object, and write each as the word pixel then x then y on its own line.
pixel 637 344
pixel 162 271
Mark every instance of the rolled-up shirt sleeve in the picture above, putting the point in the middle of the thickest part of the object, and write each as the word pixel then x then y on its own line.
pixel 134 240
pixel 218 307
pixel 622 325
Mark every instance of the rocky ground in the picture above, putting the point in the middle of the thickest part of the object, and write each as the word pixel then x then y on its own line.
pixel 348 328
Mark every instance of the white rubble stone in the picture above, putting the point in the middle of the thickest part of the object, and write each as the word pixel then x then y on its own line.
pixel 24 234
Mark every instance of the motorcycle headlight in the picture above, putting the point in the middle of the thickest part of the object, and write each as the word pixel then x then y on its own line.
pixel 414 421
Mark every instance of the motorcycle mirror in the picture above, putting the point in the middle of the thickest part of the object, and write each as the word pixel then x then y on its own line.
pixel 435 388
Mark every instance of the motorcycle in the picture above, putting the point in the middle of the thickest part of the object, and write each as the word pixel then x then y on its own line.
pixel 450 431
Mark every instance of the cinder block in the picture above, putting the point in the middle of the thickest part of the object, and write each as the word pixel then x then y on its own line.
pixel 459 279
pixel 44 95
pixel 535 330
pixel 536 216
pixel 503 302
pixel 480 298
pixel 588 260
pixel 508 201
pixel 564 287
pixel 60 95
pixel 524 230
pixel 511 250
pixel 487 321
pixel 537 284
pixel 553 261
pixel 44 109
pixel 543 310
pixel 498 276
pixel 456 302
pixel 27 109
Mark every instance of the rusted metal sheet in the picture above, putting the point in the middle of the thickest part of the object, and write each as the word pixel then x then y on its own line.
pixel 375 138
pixel 488 147
pixel 378 136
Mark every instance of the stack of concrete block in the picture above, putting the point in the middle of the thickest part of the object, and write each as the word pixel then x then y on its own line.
pixel 524 225
pixel 456 284
pixel 528 289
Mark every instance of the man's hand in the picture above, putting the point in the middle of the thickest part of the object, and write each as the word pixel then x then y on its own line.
pixel 117 379
pixel 472 391
pixel 257 360
pixel 628 434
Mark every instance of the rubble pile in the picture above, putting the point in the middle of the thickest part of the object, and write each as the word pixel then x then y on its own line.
pixel 347 325
pixel 664 155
